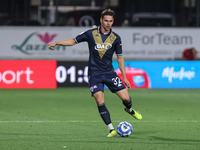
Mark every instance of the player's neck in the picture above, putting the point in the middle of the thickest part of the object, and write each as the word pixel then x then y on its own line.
pixel 104 31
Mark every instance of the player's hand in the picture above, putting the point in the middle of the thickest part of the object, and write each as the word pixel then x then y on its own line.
pixel 51 45
pixel 128 86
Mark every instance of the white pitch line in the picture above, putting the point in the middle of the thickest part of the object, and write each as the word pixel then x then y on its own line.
pixel 79 121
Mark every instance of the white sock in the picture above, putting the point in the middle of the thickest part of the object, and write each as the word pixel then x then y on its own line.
pixel 129 110
pixel 110 127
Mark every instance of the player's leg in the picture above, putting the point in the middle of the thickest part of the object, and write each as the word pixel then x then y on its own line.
pixel 97 91
pixel 104 113
pixel 124 96
pixel 99 97
pixel 116 85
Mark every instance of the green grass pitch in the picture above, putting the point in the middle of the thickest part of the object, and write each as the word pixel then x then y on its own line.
pixel 68 119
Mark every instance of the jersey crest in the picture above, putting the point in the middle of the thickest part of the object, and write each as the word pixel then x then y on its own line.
pixel 101 46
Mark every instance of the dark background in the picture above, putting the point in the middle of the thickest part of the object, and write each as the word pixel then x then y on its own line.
pixel 184 13
pixel 73 73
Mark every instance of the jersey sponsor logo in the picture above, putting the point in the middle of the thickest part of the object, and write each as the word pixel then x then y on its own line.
pixel 103 46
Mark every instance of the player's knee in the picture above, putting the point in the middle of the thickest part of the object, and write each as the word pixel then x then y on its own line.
pixel 126 98
pixel 99 102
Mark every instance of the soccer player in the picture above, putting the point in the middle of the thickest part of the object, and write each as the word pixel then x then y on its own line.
pixel 190 54
pixel 102 43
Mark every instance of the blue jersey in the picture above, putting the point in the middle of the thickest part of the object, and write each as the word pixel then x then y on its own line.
pixel 101 48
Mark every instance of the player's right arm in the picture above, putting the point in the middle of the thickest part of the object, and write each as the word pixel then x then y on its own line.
pixel 70 42
pixel 67 42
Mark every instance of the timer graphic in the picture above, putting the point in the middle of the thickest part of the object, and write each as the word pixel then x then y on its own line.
pixel 84 74
pixel 80 79
pixel 70 75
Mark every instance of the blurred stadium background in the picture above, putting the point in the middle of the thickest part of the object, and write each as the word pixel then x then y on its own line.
pixel 36 113
pixel 170 13
pixel 156 32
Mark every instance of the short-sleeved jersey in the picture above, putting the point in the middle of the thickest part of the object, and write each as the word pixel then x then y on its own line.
pixel 101 48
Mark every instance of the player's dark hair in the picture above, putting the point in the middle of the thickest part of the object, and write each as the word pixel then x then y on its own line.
pixel 108 12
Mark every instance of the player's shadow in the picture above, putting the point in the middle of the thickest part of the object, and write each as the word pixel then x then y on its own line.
pixel 144 132
pixel 173 140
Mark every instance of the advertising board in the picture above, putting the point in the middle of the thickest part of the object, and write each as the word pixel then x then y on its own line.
pixel 141 74
pixel 27 74
pixel 40 74
pixel 162 74
pixel 137 43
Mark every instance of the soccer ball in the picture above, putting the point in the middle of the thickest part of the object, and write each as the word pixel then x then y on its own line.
pixel 124 129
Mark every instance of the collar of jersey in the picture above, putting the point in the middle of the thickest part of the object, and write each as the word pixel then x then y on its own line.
pixel 102 33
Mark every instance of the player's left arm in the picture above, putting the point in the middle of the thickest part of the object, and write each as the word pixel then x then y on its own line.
pixel 121 64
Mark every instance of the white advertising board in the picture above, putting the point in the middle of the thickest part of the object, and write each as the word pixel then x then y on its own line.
pixel 137 43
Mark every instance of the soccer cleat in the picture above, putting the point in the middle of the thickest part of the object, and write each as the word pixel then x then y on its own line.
pixel 112 133
pixel 134 113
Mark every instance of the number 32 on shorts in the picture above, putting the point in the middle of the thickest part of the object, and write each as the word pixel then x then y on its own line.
pixel 117 81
